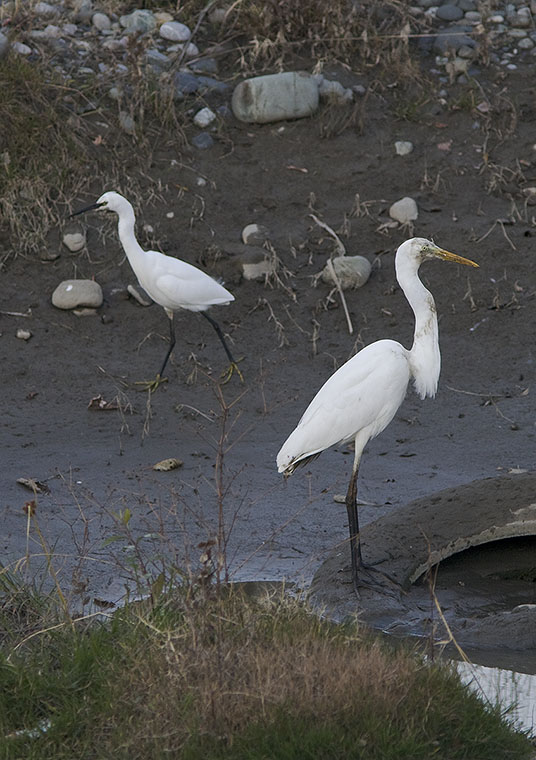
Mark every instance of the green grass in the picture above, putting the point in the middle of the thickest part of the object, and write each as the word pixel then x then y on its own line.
pixel 221 676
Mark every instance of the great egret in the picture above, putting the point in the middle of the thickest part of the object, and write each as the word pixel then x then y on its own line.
pixel 361 398
pixel 172 283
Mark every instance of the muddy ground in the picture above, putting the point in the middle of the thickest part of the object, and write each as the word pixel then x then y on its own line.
pixel 467 172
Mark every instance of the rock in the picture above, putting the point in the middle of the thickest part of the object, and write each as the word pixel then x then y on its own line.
pixel 526 43
pixel 351 271
pixel 290 95
pixel 46 10
pixel 50 32
pixel 217 16
pixel 127 122
pixel 209 84
pixel 192 51
pixel 69 30
pixel 405 210
pixel 205 66
pixel 70 294
pixel 74 241
pixel 403 147
pixel 83 11
pixel 22 334
pixel 255 234
pixel 101 21
pixel 138 21
pixel 204 117
pixel 157 60
pixel 4 45
pixel 202 141
pixel 116 46
pixel 18 47
pixel 257 264
pixel 453 38
pixel 175 31
pixel 185 83
pixel 449 13
pixel 474 17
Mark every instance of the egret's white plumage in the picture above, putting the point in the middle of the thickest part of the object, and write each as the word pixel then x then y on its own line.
pixel 170 282
pixel 361 398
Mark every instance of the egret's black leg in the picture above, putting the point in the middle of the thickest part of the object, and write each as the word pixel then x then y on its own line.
pixel 360 568
pixel 171 344
pixel 234 364
pixel 353 526
pixel 152 385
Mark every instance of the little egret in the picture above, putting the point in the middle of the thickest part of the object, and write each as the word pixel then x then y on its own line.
pixel 172 283
pixel 361 398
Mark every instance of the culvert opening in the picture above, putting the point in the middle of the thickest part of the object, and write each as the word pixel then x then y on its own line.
pixel 498 575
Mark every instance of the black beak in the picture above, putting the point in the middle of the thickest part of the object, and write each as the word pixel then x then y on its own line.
pixel 87 208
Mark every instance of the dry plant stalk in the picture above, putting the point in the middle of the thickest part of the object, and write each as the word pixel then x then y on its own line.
pixel 342 252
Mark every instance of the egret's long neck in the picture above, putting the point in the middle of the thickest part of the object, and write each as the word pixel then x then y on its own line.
pixel 424 356
pixel 127 236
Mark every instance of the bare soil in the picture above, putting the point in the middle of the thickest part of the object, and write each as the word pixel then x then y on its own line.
pixel 467 172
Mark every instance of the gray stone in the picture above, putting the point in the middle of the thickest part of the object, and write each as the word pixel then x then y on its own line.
pixel 290 95
pixel 449 13
pixel 202 141
pixel 204 66
pixel 18 47
pixel 185 83
pixel 50 32
pixel 255 234
pixel 46 10
pixel 101 21
pixel 257 264
pixel 403 147
pixel 127 122
pixel 467 5
pixel 208 84
pixel 525 44
pixel 204 118
pixel 74 241
pixel 405 210
pixel 157 60
pixel 175 31
pixel 83 11
pixel 69 30
pixel 473 16
pixel 71 294
pixel 351 271
pixel 452 38
pixel 138 21
pixel 189 49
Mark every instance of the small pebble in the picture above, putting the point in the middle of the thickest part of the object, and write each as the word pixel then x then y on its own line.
pixel 202 141
pixel 22 334
pixel 403 147
pixel 175 31
pixel 204 117
pixel 74 241
pixel 255 234
pixel 101 21
pixel 405 210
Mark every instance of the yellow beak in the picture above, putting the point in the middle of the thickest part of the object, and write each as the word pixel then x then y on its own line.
pixel 447 256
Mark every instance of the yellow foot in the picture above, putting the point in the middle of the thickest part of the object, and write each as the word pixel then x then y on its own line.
pixel 151 385
pixel 227 374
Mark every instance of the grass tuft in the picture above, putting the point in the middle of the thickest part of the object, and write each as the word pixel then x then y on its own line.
pixel 214 673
